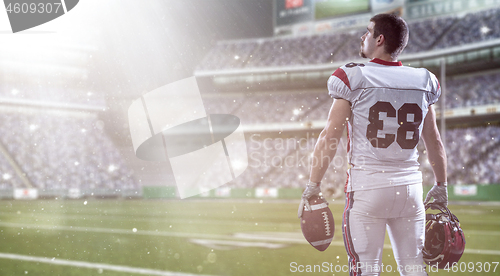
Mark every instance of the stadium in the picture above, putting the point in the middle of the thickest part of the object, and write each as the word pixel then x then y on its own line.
pixel 76 200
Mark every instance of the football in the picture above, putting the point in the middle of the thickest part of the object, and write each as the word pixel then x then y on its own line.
pixel 317 225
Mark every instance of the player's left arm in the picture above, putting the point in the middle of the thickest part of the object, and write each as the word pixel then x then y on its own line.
pixel 437 158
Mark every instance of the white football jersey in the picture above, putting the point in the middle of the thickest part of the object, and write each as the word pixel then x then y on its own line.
pixel 389 103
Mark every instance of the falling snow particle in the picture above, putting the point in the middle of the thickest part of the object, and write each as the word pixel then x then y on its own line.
pixel 134 230
pixel 85 202
pixel 212 257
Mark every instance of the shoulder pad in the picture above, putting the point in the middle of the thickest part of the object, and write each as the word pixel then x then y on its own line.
pixel 353 64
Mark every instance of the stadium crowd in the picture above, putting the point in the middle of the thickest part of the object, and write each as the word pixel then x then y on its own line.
pixel 473 90
pixel 473 155
pixel 425 35
pixel 272 107
pixel 51 95
pixel 60 151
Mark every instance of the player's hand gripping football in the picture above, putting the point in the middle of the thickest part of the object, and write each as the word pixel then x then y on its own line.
pixel 311 190
pixel 440 194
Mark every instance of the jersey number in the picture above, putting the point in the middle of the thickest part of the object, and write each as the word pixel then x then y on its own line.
pixel 404 125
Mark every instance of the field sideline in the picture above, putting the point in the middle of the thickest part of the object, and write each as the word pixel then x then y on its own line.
pixel 195 237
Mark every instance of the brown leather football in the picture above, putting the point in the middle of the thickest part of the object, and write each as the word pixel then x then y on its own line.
pixel 317 225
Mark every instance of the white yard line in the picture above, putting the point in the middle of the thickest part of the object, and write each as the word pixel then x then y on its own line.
pixel 48 217
pixel 482 251
pixel 138 231
pixel 481 233
pixel 119 268
pixel 256 236
pixel 231 244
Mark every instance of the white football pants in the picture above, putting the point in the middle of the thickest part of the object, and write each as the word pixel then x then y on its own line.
pixel 368 213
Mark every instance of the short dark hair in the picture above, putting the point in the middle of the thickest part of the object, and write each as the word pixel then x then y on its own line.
pixel 395 31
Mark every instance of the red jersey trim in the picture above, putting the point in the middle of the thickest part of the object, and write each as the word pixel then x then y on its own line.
pixel 348 151
pixel 339 73
pixel 387 63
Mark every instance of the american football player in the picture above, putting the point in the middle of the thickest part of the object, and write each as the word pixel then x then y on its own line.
pixel 387 108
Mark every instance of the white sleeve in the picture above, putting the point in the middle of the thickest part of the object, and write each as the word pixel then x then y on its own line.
pixel 435 90
pixel 339 86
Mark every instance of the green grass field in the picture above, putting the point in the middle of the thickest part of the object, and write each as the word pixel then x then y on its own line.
pixel 207 237
pixel 331 8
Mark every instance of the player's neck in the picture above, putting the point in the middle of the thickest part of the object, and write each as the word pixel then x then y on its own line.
pixel 387 59
pixel 384 56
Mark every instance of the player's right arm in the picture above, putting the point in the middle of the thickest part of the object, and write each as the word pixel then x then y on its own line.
pixel 325 149
pixel 437 158
pixel 329 138
pixel 339 87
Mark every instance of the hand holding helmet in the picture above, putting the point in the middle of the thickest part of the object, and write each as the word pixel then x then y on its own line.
pixel 444 239
pixel 440 194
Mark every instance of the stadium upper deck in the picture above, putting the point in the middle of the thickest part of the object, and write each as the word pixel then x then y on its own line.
pixel 425 35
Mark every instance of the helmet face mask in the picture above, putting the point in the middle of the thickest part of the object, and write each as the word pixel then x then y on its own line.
pixel 444 239
pixel 434 240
